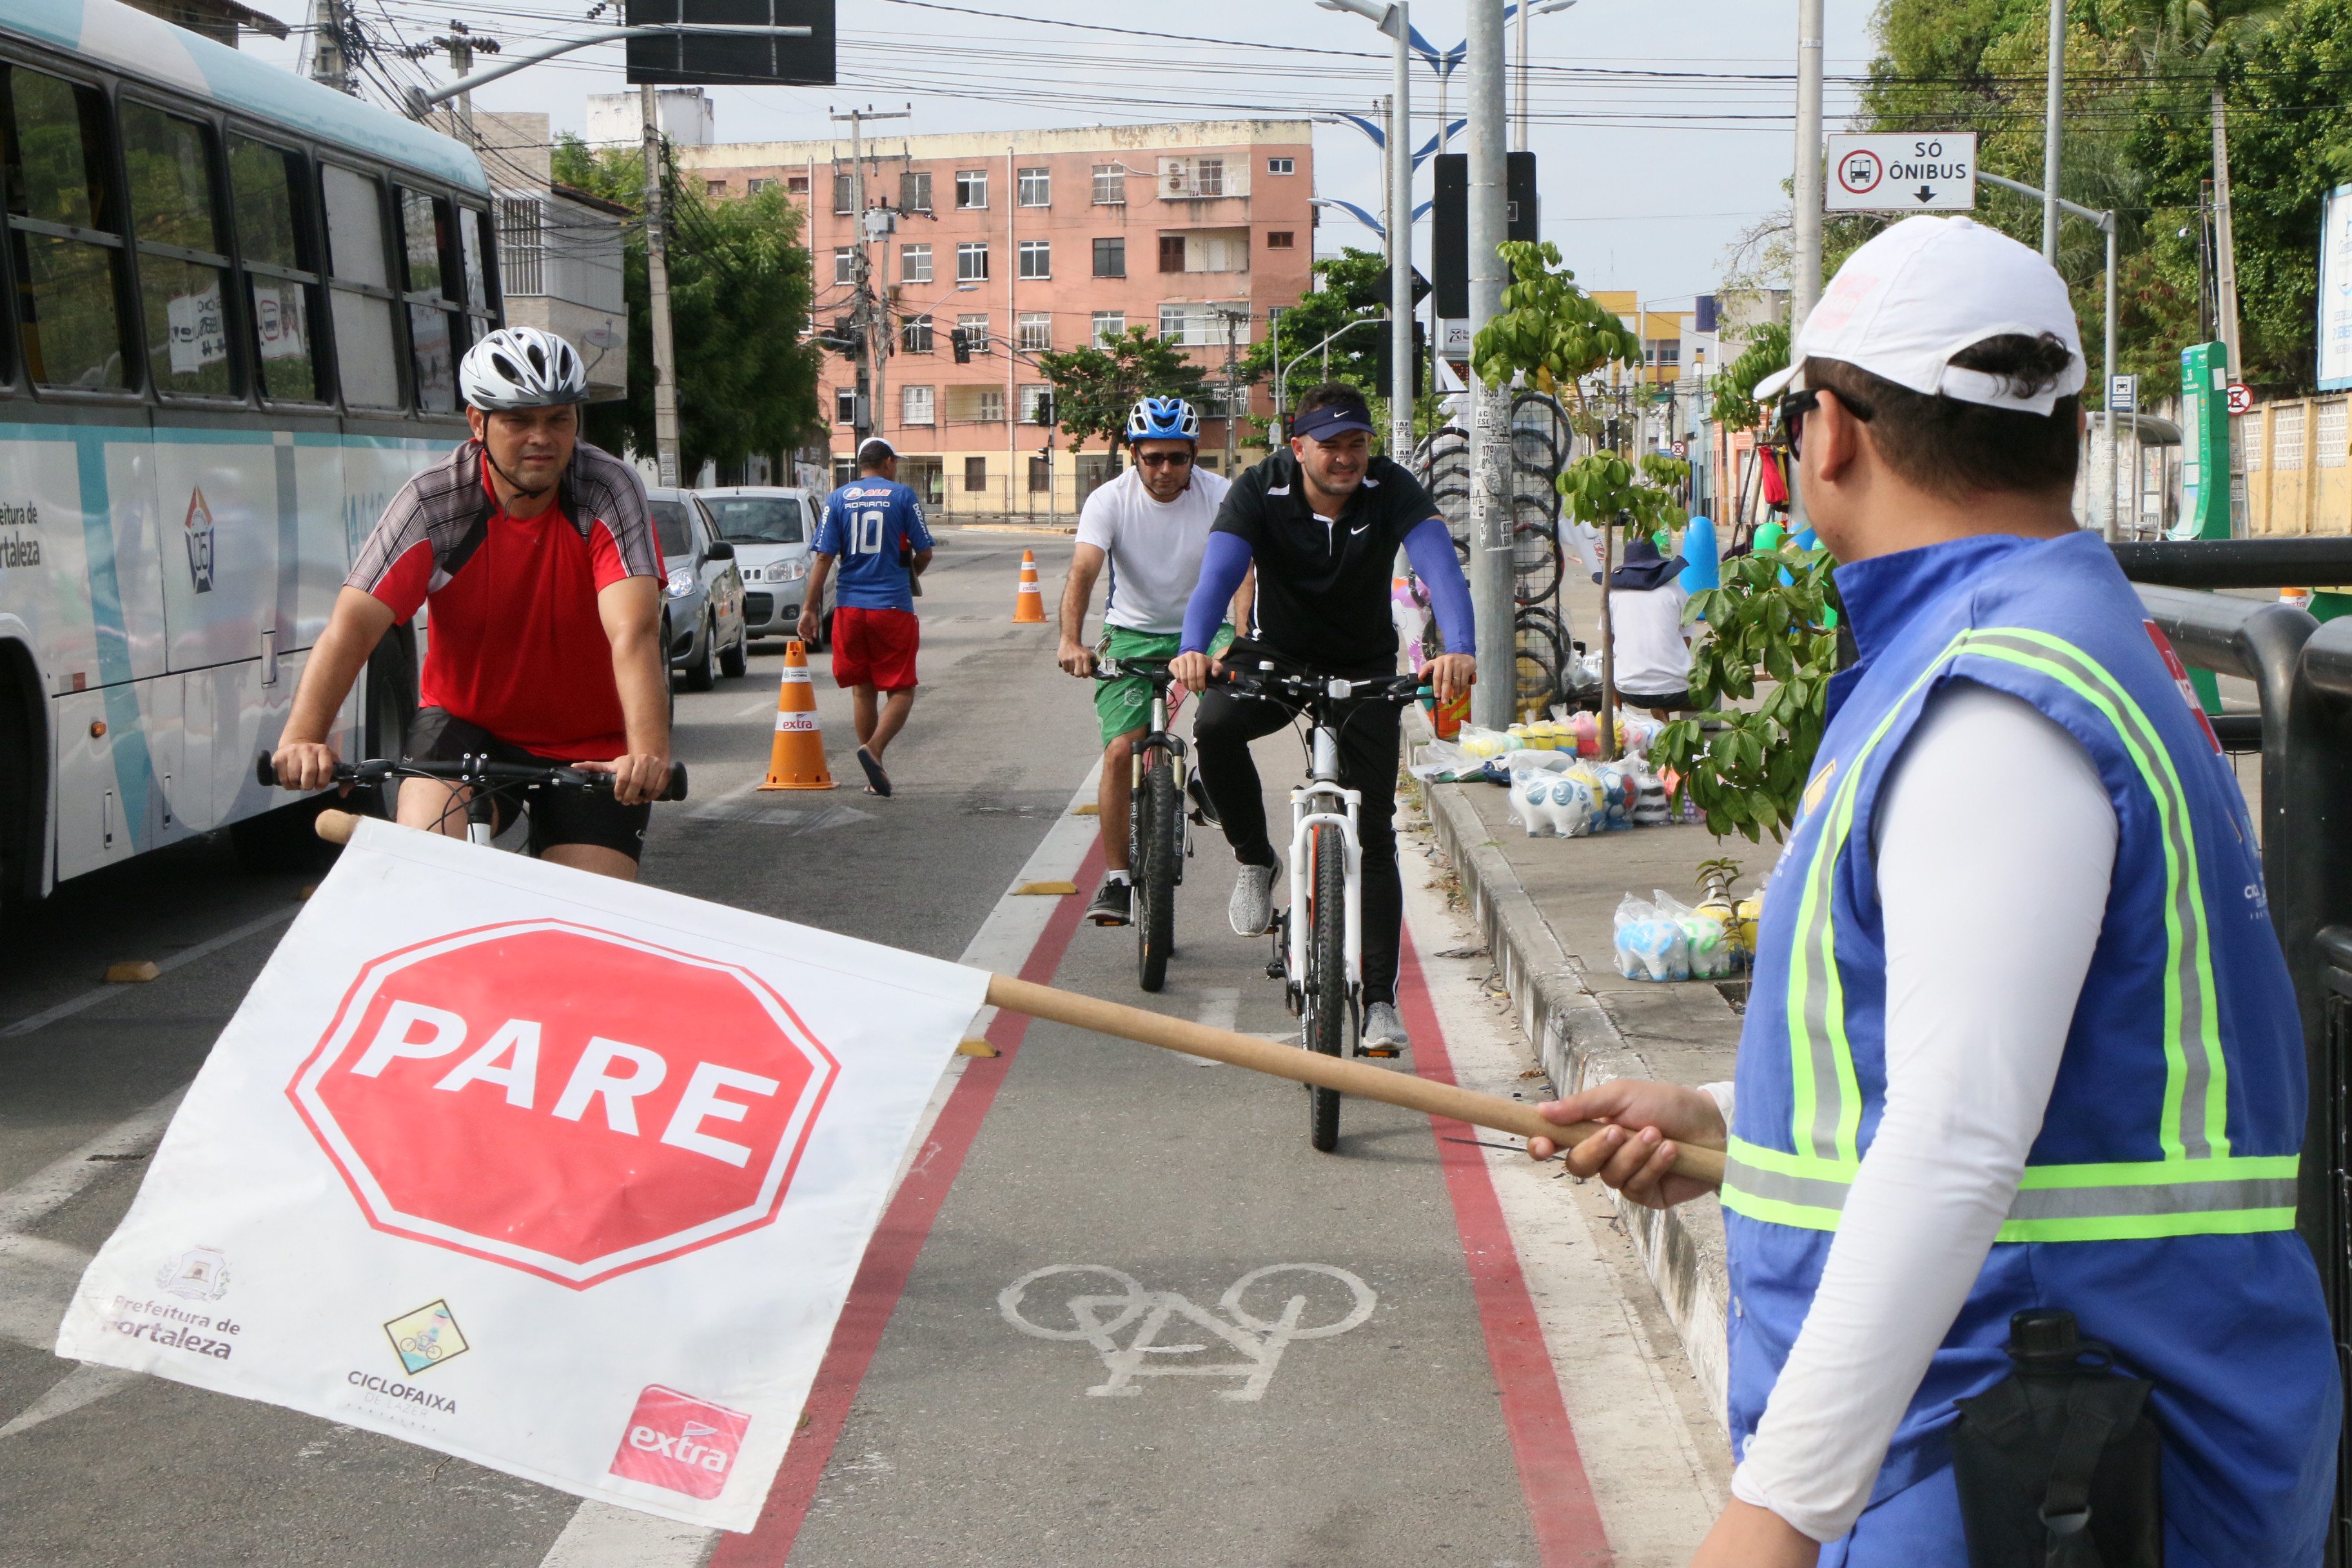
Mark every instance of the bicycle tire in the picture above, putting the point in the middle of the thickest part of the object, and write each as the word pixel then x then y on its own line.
pixel 1326 1013
pixel 1156 806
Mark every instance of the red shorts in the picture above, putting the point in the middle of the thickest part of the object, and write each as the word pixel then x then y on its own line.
pixel 875 647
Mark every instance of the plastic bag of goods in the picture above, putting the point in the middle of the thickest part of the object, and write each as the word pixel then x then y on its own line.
pixel 1477 742
pixel 1619 785
pixel 1650 945
pixel 1442 759
pixel 1746 916
pixel 1650 802
pixel 1705 939
pixel 1639 731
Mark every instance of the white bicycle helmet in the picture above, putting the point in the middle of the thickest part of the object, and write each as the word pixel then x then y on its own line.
pixel 522 367
pixel 1163 419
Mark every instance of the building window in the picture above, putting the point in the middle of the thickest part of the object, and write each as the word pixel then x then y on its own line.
pixel 844 194
pixel 795 185
pixel 1035 330
pixel 976 473
pixel 1037 405
pixel 1282 165
pixel 1109 324
pixel 1037 259
pixel 1110 257
pixel 1036 187
pixel 1201 325
pixel 914 406
pixel 975 332
pixel 915 191
pixel 972 263
pixel 844 405
pixel 1281 240
pixel 1110 185
pixel 1040 474
pixel 990 405
pixel 971 187
pixel 915 263
pixel 1209 177
pixel 1171 253
pixel 845 264
pixel 1664 351
pixel 915 336
pixel 714 188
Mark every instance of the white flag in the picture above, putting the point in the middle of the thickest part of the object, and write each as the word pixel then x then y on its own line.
pixel 560 1175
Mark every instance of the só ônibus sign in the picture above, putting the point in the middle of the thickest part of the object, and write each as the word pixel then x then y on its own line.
pixel 1911 171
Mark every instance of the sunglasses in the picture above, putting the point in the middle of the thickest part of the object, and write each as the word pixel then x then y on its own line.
pixel 1795 405
pixel 1164 459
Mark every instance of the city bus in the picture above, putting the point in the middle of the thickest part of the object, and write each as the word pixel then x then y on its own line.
pixel 232 302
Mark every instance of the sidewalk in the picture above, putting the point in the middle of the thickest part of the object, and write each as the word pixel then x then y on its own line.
pixel 1546 906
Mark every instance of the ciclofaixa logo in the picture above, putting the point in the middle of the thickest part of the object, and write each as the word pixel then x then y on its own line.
pixel 568 1101
pixel 679 1443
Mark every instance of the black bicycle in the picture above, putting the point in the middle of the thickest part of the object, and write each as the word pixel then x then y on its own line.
pixel 1160 783
pixel 486 783
pixel 1319 955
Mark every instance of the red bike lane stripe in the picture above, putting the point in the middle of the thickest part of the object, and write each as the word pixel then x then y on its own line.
pixel 1560 1506
pixel 891 1259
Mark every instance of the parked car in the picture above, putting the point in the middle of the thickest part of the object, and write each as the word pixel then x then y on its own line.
pixel 773 529
pixel 702 601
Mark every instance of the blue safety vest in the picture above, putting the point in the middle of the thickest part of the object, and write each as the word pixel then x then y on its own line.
pixel 2158 1204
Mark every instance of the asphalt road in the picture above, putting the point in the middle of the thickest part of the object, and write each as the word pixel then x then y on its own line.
pixel 1130 1188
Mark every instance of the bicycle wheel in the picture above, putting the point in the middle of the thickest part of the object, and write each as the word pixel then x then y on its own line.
pixel 1327 977
pixel 1156 806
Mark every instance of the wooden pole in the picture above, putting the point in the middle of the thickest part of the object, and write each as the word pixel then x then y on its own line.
pixel 1358 1079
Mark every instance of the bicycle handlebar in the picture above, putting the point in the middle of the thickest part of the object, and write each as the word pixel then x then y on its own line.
pixel 472 770
pixel 1265 682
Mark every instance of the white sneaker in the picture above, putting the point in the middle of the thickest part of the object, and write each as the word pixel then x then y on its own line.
pixel 1251 909
pixel 1383 1030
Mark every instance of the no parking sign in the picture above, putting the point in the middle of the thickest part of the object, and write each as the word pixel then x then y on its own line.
pixel 559 1174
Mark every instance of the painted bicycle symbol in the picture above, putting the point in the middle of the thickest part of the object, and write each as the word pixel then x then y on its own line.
pixel 1312 1309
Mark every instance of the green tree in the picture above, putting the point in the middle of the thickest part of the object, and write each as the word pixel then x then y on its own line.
pixel 1350 293
pixel 1094 386
pixel 740 293
pixel 1735 389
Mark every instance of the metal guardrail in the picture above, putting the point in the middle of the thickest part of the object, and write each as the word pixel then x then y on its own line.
pixel 2239 563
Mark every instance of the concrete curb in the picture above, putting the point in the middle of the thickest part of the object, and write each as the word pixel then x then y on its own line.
pixel 1580 1046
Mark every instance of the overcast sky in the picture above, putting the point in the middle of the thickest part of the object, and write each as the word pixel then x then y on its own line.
pixel 1661 132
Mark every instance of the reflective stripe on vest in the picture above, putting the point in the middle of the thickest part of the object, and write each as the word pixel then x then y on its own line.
pixel 2197 1188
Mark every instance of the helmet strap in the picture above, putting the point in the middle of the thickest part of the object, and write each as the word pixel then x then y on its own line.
pixel 517 485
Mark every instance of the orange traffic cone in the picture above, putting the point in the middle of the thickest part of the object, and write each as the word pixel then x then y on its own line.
pixel 797 758
pixel 1029 605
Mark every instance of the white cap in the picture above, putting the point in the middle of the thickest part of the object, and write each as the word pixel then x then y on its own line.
pixel 1924 290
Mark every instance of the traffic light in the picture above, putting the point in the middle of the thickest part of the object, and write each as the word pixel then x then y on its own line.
pixel 962 347
pixel 1449 235
pixel 1381 357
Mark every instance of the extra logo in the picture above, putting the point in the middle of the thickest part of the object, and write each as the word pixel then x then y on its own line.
pixel 425 1337
pixel 2179 673
pixel 199 523
pixel 567 1101
pixel 679 1443
pixel 200 1274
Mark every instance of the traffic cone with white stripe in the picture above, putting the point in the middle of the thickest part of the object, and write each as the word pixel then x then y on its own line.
pixel 1029 605
pixel 796 761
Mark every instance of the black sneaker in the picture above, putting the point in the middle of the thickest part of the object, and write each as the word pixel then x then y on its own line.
pixel 1204 811
pixel 1110 905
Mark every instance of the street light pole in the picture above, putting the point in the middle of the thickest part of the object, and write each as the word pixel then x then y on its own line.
pixel 1493 699
pixel 657 288
pixel 1394 19
pixel 2106 221
pixel 2051 110
pixel 1805 288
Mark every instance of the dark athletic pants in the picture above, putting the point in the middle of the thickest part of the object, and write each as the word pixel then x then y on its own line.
pixel 1223 726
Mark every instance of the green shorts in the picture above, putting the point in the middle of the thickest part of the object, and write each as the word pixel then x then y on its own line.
pixel 1124 705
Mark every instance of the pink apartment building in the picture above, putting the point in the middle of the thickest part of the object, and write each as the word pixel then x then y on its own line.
pixel 1033 240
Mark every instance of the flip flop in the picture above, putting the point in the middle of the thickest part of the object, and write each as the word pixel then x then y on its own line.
pixel 876 781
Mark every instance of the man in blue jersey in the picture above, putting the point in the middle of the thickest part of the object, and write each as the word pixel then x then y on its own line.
pixel 2019 1033
pixel 873 527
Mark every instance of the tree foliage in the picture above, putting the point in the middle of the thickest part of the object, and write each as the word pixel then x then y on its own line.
pixel 1735 389
pixel 740 293
pixel 1548 325
pixel 1095 385
pixel 1350 293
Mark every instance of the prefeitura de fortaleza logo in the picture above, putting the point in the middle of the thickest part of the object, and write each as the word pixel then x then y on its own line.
pixel 565 1100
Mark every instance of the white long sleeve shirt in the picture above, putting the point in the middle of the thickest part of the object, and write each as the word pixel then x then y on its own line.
pixel 1994 900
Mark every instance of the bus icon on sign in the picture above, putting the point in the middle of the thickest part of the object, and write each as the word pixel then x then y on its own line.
pixel 1859 172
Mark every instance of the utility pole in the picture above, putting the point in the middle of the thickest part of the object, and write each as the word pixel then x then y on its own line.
pixel 873 320
pixel 657 281
pixel 462 41
pixel 2052 110
pixel 330 66
pixel 1234 318
pixel 2225 249
pixel 1398 25
pixel 1492 700
pixel 1805 288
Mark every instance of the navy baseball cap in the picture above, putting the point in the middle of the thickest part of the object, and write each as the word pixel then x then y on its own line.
pixel 1330 420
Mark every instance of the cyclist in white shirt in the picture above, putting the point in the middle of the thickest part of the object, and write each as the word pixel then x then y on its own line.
pixel 1150 525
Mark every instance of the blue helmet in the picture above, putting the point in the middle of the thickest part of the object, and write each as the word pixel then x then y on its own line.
pixel 1163 419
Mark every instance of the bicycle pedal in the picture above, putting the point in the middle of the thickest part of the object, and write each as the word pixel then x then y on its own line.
pixel 1273 968
pixel 1384 1051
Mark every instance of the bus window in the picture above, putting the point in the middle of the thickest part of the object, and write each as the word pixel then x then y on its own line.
pixel 281 274
pixel 424 235
pixel 361 288
pixel 474 234
pixel 183 276
pixel 66 227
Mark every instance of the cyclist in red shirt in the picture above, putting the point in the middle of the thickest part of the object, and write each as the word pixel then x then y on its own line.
pixel 535 554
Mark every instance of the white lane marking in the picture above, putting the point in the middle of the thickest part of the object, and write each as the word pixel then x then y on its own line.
pixel 85 1384
pixel 37 1284
pixel 50 1186
pixel 1259 1341
pixel 91 998
pixel 602 1536
pixel 1221 1008
pixel 776 809
pixel 765 705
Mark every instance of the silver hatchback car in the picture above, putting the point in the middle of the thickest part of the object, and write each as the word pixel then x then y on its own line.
pixel 771 529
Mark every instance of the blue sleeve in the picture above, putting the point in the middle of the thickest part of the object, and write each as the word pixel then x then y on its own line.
pixel 1431 550
pixel 828 530
pixel 916 531
pixel 1222 567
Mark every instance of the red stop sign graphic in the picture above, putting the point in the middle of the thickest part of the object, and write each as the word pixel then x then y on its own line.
pixel 565 1100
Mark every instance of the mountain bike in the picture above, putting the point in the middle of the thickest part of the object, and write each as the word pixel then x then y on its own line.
pixel 1319 939
pixel 1157 843
pixel 486 783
